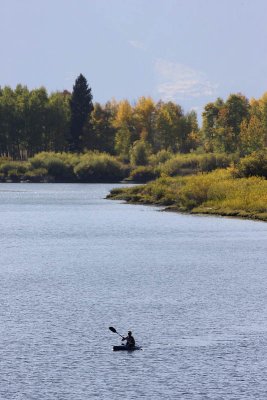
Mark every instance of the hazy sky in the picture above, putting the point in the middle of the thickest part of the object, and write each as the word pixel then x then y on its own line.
pixel 188 51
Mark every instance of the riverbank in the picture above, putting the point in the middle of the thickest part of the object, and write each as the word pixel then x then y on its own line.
pixel 215 193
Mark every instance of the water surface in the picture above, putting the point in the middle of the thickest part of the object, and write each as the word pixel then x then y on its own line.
pixel 191 288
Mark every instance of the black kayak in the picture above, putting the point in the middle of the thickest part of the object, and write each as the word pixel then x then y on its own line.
pixel 126 348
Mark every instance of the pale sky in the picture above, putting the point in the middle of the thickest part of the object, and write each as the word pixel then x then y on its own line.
pixel 187 51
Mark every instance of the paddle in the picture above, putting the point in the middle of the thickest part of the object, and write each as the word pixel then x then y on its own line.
pixel 114 331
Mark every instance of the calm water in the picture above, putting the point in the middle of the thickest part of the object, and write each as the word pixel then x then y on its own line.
pixel 192 289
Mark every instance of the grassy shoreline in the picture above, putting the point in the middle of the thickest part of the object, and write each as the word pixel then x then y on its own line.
pixel 215 193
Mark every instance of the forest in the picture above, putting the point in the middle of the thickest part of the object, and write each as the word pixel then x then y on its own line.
pixel 33 121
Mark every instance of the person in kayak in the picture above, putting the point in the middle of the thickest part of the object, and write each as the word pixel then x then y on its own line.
pixel 130 342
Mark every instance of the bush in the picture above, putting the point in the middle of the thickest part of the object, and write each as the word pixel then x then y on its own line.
pixel 36 175
pixel 58 165
pixel 95 167
pixel 139 153
pixel 161 157
pixel 19 167
pixel 59 170
pixel 14 175
pixel 143 174
pixel 184 164
pixel 253 165
pixel 210 162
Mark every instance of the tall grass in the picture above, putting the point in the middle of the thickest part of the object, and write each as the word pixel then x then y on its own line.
pixel 217 192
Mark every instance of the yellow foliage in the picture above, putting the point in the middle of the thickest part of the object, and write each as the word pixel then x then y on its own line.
pixel 124 115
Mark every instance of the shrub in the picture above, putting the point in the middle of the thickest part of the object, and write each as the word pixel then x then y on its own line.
pixel 59 170
pixel 58 165
pixel 36 175
pixel 20 167
pixel 143 174
pixel 39 160
pixel 139 153
pixel 183 164
pixel 253 165
pixel 14 175
pixel 161 157
pixel 210 162
pixel 175 164
pixel 95 167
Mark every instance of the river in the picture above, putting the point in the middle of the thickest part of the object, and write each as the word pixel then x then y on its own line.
pixel 191 288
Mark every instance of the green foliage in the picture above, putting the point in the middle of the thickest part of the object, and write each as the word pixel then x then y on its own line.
pixel 14 175
pixel 94 167
pixel 58 122
pixel 143 174
pixel 66 167
pixel 32 121
pixel 123 143
pixel 160 157
pixel 36 175
pixel 101 136
pixel 58 165
pixel 253 165
pixel 139 153
pixel 169 126
pixel 184 164
pixel 20 167
pixel 222 123
pixel 252 135
pixel 59 170
pixel 81 107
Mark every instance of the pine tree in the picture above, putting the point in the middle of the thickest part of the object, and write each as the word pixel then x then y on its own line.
pixel 81 107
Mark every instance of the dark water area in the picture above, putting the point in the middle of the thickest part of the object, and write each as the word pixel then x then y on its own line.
pixel 191 288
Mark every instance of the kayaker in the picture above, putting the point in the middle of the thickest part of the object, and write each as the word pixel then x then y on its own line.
pixel 130 342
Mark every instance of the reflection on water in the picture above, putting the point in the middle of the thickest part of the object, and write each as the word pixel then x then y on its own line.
pixel 192 289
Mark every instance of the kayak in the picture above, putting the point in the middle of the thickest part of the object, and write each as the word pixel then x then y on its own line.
pixel 126 348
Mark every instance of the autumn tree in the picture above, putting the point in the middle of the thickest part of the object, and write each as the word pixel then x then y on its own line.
pixel 144 119
pixel 124 123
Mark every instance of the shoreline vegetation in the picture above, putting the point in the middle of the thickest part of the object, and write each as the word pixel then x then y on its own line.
pixel 219 168
pixel 238 190
pixel 214 193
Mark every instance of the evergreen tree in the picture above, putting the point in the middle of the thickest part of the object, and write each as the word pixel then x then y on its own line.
pixel 81 107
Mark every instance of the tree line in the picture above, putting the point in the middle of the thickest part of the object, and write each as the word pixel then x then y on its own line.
pixel 32 121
